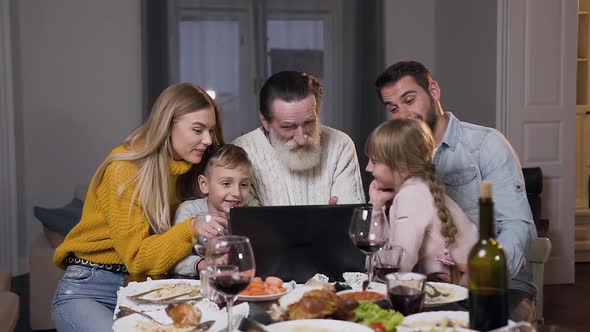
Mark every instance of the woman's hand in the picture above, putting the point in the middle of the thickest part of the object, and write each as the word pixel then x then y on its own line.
pixel 380 197
pixel 210 225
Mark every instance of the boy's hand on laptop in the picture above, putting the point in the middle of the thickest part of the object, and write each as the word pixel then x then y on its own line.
pixel 211 227
pixel 380 197
pixel 333 200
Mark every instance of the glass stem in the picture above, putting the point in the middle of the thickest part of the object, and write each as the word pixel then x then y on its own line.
pixel 370 274
pixel 229 303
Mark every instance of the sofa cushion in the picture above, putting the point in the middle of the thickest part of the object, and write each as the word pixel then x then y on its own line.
pixel 9 307
pixel 60 220
pixel 54 238
pixel 5 280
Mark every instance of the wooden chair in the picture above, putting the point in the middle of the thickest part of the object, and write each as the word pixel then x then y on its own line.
pixel 538 254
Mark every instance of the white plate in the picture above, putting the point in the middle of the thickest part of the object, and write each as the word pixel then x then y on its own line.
pixel 262 298
pixel 456 293
pixel 325 325
pixel 169 289
pixel 209 310
pixel 425 321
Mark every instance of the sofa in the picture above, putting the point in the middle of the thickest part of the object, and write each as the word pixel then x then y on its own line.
pixel 44 275
pixel 9 303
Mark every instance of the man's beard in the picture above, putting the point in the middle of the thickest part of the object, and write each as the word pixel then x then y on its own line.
pixel 298 157
pixel 431 117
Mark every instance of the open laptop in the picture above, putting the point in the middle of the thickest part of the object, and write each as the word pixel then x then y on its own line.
pixel 296 242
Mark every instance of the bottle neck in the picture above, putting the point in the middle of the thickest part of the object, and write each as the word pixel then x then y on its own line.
pixel 486 218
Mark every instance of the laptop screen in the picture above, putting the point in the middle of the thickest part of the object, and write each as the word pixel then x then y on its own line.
pixel 296 242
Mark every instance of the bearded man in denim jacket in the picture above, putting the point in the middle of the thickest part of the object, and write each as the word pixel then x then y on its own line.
pixel 466 154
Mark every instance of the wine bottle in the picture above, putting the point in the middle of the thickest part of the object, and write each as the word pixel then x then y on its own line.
pixel 488 277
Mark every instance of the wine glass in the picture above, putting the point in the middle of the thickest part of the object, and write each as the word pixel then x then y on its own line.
pixel 201 245
pixel 406 291
pixel 387 260
pixel 232 268
pixel 369 231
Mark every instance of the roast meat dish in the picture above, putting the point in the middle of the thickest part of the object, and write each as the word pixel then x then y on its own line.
pixel 321 303
pixel 184 314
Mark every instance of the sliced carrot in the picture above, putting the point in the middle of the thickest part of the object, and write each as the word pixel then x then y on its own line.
pixel 258 287
pixel 271 280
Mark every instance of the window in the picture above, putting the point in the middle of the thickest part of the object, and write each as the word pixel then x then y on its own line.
pixel 231 47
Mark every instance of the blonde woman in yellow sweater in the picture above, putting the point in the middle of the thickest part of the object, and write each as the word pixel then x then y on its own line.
pixel 126 221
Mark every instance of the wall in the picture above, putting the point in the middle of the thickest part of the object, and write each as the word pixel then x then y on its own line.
pixel 466 59
pixel 79 93
pixel 410 32
pixel 456 41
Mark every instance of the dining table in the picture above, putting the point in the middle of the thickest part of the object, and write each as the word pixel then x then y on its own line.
pixel 258 311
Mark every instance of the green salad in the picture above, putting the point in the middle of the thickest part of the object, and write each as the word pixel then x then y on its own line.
pixel 377 318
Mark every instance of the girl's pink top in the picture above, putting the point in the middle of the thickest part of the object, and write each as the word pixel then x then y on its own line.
pixel 415 226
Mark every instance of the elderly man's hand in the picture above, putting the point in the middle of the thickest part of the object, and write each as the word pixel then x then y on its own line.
pixel 333 200
pixel 380 197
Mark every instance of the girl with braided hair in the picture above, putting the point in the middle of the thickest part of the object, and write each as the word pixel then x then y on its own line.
pixel 432 229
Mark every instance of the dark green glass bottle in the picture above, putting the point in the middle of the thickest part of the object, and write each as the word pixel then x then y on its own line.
pixel 488 276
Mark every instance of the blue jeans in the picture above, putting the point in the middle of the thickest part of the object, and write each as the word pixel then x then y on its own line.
pixel 85 299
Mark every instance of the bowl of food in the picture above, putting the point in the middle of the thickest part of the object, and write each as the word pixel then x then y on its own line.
pixel 366 295
pixel 269 289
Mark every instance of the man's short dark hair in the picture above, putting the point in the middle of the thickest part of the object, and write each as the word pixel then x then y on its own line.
pixel 288 86
pixel 401 69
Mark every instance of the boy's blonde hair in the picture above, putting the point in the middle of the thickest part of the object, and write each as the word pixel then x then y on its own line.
pixel 228 156
pixel 407 145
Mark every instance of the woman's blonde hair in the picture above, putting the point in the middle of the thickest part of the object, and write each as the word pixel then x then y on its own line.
pixel 407 145
pixel 150 148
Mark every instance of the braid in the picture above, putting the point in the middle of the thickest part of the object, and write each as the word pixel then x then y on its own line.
pixel 448 228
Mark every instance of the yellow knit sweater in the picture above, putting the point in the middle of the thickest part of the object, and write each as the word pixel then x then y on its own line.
pixel 109 233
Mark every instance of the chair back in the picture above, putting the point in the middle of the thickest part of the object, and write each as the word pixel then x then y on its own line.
pixel 538 254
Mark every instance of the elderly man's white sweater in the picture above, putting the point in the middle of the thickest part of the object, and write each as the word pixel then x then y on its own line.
pixel 337 174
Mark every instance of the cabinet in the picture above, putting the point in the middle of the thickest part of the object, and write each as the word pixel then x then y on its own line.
pixel 583 134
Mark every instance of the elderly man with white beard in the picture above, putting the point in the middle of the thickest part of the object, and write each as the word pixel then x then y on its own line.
pixel 297 161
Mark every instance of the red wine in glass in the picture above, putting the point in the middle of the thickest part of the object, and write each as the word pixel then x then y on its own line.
pixel 406 300
pixel 381 270
pixel 231 283
pixel 233 267
pixel 369 231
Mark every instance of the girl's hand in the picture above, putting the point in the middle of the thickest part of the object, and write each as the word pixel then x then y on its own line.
pixel 380 197
pixel 444 277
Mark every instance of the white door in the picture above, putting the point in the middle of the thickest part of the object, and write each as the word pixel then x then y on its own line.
pixel 536 109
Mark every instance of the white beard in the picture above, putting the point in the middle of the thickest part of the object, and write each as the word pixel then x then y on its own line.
pixel 298 157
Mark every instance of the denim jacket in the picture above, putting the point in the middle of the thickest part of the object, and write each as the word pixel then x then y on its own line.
pixel 469 154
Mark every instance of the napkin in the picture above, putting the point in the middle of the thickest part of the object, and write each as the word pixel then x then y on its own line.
pixel 355 279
